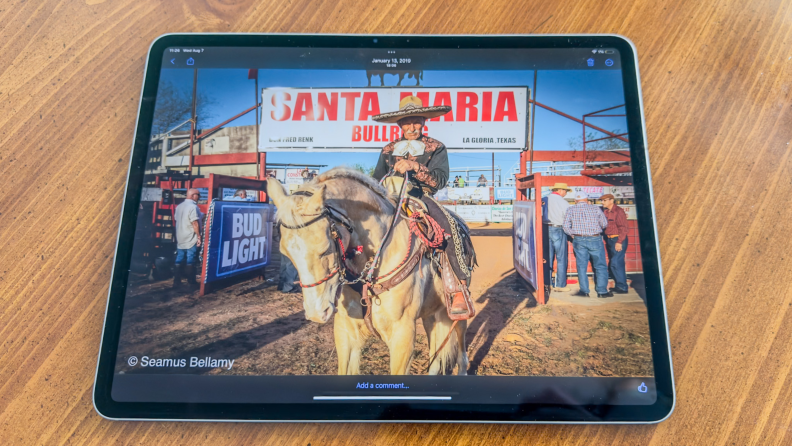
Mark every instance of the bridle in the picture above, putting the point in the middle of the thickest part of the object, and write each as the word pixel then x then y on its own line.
pixel 366 276
pixel 333 216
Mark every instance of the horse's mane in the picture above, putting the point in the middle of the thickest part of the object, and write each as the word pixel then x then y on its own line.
pixel 354 175
pixel 287 212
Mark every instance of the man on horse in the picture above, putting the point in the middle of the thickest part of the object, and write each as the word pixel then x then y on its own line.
pixel 426 160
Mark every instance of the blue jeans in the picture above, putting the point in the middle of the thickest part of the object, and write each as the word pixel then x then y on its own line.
pixel 616 262
pixel 586 248
pixel 558 249
pixel 288 275
pixel 190 254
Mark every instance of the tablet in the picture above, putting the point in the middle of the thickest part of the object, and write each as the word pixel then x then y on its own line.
pixel 388 228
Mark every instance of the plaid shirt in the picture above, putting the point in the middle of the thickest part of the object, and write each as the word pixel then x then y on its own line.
pixel 584 219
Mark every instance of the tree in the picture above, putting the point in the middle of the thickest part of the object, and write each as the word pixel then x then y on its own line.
pixel 368 170
pixel 174 106
pixel 576 143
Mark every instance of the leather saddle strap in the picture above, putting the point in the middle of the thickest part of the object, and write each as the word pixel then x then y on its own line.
pixel 399 276
pixel 367 310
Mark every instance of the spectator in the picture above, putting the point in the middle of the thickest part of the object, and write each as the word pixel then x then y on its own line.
pixel 554 207
pixel 585 222
pixel 239 195
pixel 482 181
pixel 188 237
pixel 616 242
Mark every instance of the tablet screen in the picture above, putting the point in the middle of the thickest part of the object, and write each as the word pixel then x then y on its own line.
pixel 258 272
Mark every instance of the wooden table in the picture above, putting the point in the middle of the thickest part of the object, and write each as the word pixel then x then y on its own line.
pixel 717 83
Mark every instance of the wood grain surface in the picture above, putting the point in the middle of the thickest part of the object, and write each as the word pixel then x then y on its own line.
pixel 717 80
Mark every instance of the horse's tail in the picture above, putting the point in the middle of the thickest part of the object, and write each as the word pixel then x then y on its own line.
pixel 448 355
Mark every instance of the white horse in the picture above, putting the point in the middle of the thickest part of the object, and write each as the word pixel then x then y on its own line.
pixel 309 220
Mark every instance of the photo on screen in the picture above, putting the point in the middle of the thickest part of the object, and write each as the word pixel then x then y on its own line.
pixel 511 249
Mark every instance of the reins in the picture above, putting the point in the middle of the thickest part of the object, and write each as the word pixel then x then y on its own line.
pixel 371 281
pixel 333 215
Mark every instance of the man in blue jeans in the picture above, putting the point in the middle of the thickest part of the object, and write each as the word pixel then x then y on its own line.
pixel 616 239
pixel 554 207
pixel 585 223
pixel 188 237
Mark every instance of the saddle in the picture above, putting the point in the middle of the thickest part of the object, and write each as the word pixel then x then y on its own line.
pixel 468 252
pixel 443 234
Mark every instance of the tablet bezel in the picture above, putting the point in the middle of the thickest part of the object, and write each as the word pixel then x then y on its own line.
pixel 393 412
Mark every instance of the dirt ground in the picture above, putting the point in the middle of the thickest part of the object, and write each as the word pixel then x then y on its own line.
pixel 266 333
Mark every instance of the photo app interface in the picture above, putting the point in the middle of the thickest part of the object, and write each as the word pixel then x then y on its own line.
pixel 367 225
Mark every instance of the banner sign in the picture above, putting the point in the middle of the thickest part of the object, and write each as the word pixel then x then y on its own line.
pixel 473 213
pixel 502 213
pixel 629 209
pixel 441 195
pixel 594 192
pixel 278 174
pixel 620 191
pixel 339 119
pixel 505 193
pixel 299 176
pixel 524 239
pixel 240 238
pixel 469 193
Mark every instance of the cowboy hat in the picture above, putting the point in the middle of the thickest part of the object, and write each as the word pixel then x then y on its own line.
pixel 561 186
pixel 412 106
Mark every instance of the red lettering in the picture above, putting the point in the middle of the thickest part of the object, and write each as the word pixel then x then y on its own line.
pixel 349 114
pixel 303 107
pixel 395 133
pixel 369 106
pixel 367 133
pixel 443 98
pixel 278 100
pixel 486 107
pixel 330 107
pixel 424 97
pixel 356 133
pixel 506 107
pixel 425 130
pixel 376 134
pixel 466 106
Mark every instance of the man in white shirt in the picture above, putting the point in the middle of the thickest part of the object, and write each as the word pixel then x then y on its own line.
pixel 188 237
pixel 554 207
pixel 239 195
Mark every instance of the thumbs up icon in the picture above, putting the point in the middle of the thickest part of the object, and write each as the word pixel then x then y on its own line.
pixel 642 388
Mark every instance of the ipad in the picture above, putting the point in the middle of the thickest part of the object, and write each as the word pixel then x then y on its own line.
pixel 388 229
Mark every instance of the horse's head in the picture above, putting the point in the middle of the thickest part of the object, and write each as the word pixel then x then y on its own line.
pixel 307 241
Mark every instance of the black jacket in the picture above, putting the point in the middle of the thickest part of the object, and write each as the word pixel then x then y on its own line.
pixel 433 173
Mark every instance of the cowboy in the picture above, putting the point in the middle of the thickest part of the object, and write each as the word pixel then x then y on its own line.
pixel 585 222
pixel 426 160
pixel 554 207
pixel 187 218
pixel 616 241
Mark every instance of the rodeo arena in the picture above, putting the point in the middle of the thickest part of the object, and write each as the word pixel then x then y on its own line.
pixel 304 268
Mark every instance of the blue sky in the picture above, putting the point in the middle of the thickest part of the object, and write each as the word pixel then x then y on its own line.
pixel 575 92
